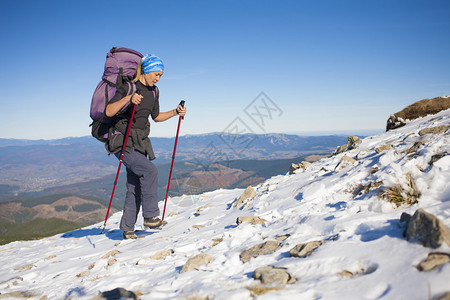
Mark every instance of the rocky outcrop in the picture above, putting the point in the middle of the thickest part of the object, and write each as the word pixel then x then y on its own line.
pixel 383 148
pixel 117 293
pixel 425 228
pixel 305 249
pixel 252 220
pixel 246 196
pixel 415 147
pixel 162 254
pixel 352 143
pixel 416 110
pixel 301 166
pixel 433 261
pixel 434 130
pixel 260 249
pixel 196 261
pixel 345 162
pixel 273 275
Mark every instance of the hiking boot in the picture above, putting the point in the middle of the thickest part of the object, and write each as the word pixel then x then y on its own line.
pixel 129 235
pixel 152 222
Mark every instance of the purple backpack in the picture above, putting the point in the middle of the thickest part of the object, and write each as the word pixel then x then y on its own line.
pixel 120 68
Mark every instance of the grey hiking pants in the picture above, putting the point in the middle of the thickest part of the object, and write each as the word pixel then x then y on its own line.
pixel 142 189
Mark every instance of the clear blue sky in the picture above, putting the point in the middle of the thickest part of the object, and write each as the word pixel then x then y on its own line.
pixel 325 65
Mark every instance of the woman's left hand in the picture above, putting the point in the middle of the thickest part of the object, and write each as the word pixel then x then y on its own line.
pixel 181 110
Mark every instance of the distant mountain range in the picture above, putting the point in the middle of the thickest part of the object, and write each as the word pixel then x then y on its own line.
pixel 33 165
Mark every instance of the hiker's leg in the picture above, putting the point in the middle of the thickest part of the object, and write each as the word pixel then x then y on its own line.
pixel 149 189
pixel 132 203
pixel 148 178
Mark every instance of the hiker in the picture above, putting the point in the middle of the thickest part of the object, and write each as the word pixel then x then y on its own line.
pixel 142 175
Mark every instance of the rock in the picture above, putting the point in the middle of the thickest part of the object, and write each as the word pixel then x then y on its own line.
pixel 445 296
pixel 437 157
pixel 118 293
pixel 260 249
pixel 415 147
pixel 433 261
pixel 427 229
pixel 82 274
pixel 197 226
pixel 305 249
pixel 201 209
pixel 405 218
pixel 416 110
pixel 345 162
pixel 283 237
pixel 434 130
pixel 273 275
pixel 24 268
pixel 162 254
pixel 383 148
pixel 196 261
pixel 303 166
pixel 252 220
pixel 345 274
pixel 395 122
pixel 18 295
pixel 246 195
pixel 112 261
pixel 111 253
pixel 352 143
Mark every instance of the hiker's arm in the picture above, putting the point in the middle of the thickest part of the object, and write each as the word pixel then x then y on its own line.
pixel 171 113
pixel 113 108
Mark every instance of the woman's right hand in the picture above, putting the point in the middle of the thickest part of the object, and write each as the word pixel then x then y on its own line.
pixel 136 98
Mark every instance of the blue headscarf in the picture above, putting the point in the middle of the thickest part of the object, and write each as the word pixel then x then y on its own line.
pixel 151 63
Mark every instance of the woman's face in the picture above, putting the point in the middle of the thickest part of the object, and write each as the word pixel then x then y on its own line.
pixel 152 78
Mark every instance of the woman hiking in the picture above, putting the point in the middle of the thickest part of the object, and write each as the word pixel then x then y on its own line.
pixel 142 175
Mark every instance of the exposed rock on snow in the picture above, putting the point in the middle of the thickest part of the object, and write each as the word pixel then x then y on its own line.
pixel 246 196
pixel 352 143
pixel 196 261
pixel 252 220
pixel 416 146
pixel 434 130
pixel 283 237
pixel 111 253
pixel 416 110
pixel 427 229
pixel 117 293
pixel 383 148
pixel 305 249
pixel 273 275
pixel 445 296
pixel 260 249
pixel 301 166
pixel 437 157
pixel 433 261
pixel 345 162
pixel 201 209
pixel 24 268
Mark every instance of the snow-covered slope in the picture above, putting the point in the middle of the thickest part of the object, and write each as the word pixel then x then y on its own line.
pixel 362 235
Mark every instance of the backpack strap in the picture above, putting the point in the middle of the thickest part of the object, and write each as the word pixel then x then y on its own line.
pixel 156 92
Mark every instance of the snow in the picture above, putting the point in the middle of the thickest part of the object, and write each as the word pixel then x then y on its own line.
pixel 362 235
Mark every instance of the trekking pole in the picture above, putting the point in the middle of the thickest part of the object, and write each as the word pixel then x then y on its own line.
pixel 120 164
pixel 173 158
